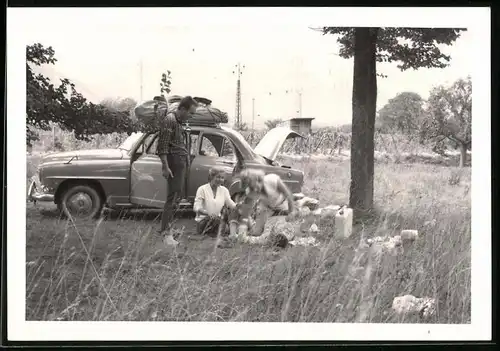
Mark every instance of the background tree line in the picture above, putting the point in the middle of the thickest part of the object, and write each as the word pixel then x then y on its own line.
pixel 62 105
pixel 443 121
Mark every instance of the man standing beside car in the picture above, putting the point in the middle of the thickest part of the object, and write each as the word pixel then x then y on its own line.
pixel 173 153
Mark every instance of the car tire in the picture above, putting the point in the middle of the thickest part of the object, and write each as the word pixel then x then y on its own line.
pixel 81 202
pixel 237 196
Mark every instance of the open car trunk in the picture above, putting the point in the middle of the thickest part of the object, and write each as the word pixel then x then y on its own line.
pixel 270 145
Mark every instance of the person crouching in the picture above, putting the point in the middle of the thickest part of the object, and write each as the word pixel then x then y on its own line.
pixel 209 204
pixel 270 195
pixel 242 219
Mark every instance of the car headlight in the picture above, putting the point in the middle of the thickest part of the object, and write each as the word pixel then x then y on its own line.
pixel 38 178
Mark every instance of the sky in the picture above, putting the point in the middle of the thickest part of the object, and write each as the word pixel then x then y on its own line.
pixel 280 61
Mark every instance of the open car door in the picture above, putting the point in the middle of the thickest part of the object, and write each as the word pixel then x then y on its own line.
pixel 148 187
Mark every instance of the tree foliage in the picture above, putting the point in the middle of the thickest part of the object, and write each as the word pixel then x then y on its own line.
pixel 119 104
pixel 450 116
pixel 273 123
pixel 63 104
pixel 165 83
pixel 403 113
pixel 409 48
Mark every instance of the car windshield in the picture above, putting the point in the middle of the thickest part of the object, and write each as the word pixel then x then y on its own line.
pixel 129 143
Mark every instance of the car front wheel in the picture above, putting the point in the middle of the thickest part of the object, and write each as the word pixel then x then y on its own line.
pixel 81 202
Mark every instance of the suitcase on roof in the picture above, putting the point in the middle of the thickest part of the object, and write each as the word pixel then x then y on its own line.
pixel 150 112
pixel 205 113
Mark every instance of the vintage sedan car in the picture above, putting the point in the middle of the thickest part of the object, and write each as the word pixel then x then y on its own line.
pixel 82 182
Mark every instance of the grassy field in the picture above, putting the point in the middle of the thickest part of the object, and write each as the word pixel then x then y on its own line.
pixel 117 269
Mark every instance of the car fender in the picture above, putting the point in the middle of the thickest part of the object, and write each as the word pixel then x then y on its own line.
pixel 235 186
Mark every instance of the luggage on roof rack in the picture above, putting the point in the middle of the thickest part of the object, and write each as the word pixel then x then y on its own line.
pixel 202 100
pixel 177 98
pixel 149 112
pixel 205 115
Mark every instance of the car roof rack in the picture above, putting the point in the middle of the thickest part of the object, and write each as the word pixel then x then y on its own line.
pixel 202 124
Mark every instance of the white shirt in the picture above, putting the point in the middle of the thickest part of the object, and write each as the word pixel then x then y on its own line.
pixel 206 200
pixel 274 199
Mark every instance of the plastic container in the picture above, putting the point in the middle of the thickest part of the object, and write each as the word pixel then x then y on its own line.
pixel 409 235
pixel 343 222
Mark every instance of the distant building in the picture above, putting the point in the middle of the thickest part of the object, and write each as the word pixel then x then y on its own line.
pixel 301 125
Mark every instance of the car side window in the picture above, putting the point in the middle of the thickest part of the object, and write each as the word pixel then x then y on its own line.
pixel 194 136
pixel 152 145
pixel 211 145
pixel 217 146
pixel 228 151
pixel 147 144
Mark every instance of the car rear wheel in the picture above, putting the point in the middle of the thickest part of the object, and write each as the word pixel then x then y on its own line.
pixel 81 202
pixel 237 197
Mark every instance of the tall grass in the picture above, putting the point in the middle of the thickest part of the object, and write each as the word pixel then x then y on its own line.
pixel 118 269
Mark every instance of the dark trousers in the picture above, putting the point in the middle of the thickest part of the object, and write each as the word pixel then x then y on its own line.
pixel 209 226
pixel 212 226
pixel 175 188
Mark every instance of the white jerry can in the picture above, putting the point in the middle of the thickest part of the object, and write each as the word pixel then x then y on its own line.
pixel 343 222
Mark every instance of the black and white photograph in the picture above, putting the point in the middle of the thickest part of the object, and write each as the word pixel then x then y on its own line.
pixel 248 174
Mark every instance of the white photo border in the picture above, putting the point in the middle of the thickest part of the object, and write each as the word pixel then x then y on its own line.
pixel 475 19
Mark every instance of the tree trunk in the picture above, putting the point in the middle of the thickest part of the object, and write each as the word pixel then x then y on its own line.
pixel 364 101
pixel 463 155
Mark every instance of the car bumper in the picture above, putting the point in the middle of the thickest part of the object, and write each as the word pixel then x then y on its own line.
pixel 34 195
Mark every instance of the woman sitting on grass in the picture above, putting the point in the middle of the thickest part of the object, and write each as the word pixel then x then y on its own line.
pixel 211 198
